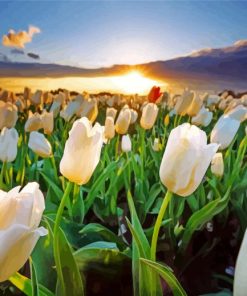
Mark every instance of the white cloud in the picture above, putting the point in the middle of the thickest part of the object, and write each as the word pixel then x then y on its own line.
pixel 19 39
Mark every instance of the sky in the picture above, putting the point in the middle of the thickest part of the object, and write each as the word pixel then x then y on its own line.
pixel 102 33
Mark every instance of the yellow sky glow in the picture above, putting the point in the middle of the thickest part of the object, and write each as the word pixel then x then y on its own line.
pixel 131 83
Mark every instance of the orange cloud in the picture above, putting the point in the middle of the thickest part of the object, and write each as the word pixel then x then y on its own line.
pixel 19 39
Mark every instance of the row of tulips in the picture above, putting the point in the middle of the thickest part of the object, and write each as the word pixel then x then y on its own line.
pixel 86 175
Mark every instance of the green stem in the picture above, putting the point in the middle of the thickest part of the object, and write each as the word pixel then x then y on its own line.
pixel 4 165
pixel 158 222
pixel 143 151
pixel 53 163
pixel 56 235
pixel 116 148
pixel 129 169
pixel 7 177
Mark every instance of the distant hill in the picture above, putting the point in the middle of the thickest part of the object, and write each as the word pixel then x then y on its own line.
pixel 229 63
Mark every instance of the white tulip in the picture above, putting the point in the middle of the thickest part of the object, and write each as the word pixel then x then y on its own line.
pixel 239 113
pixel 111 112
pixel 47 121
pixel 240 283
pixel 82 151
pixel 109 128
pixel 195 105
pixel 126 143
pixel 72 108
pixel 149 115
pixel 39 144
pixel 134 116
pixel 8 115
pixel 213 100
pixel 123 121
pixel 8 144
pixel 186 159
pixel 224 131
pixel 88 109
pixel 204 117
pixel 21 213
pixel 36 98
pixel 33 123
pixel 55 108
pixel 183 102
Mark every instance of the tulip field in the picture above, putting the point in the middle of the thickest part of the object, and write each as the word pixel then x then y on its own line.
pixel 114 194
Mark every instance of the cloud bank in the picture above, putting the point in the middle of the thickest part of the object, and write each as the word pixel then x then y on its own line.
pixel 19 39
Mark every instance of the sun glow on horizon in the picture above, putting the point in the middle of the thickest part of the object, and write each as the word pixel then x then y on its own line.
pixel 134 82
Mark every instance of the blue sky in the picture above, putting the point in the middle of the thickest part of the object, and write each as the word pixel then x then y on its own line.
pixel 102 33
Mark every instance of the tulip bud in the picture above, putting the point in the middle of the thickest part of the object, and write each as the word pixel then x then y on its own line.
pixel 183 102
pixel 88 109
pixel 149 115
pixel 123 121
pixel 195 105
pixel 34 122
pixel 109 128
pixel 47 122
pixel 217 165
pixel 186 159
pixel 82 151
pixel 111 112
pixel 224 131
pixel 167 120
pixel 8 115
pixel 60 98
pixel 21 213
pixel 110 101
pixel 39 144
pixel 27 94
pixel 126 143
pixel 47 97
pixel 70 110
pixel 156 144
pixel 134 116
pixel 212 100
pixel 55 108
pixel 154 94
pixel 240 283
pixel 8 144
pixel 36 98
pixel 204 117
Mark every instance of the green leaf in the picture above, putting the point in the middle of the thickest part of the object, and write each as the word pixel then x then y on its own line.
pixel 204 215
pixel 42 257
pixel 96 186
pixel 104 232
pixel 98 255
pixel 166 273
pixel 140 248
pixel 155 190
pixel 72 279
pixel 34 280
pixel 24 284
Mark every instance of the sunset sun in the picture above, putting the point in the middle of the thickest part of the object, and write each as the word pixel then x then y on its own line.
pixel 133 82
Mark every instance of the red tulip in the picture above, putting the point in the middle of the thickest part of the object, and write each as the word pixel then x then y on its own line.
pixel 154 94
